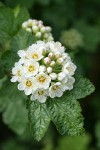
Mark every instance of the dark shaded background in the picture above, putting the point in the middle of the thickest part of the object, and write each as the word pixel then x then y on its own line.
pixel 62 15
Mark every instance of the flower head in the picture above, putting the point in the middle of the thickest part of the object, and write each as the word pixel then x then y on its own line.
pixel 37 28
pixel 44 70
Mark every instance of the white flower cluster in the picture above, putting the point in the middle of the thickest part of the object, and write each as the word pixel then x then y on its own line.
pixel 44 70
pixel 72 39
pixel 40 31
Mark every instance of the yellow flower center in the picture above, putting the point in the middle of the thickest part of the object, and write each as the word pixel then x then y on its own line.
pixel 55 87
pixel 40 92
pixel 35 56
pixel 42 79
pixel 19 73
pixel 31 68
pixel 28 83
pixel 69 69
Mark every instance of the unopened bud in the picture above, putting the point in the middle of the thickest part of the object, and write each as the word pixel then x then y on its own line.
pixel 49 69
pixel 53 76
pixel 30 22
pixel 47 60
pixel 38 35
pixel 51 55
pixel 35 29
pixel 25 25
pixel 29 29
pixel 42 68
pixel 60 60
pixel 48 29
pixel 57 54
pixel 61 76
pixel 43 29
pixel 52 63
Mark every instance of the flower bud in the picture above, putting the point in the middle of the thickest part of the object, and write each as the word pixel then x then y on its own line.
pixel 48 29
pixel 52 63
pixel 57 54
pixel 42 68
pixel 47 60
pixel 38 34
pixel 60 60
pixel 45 35
pixel 35 29
pixel 49 69
pixel 30 22
pixel 43 29
pixel 53 76
pixel 51 55
pixel 29 29
pixel 25 25
pixel 61 76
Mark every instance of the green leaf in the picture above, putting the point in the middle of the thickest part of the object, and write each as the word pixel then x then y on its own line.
pixel 22 40
pixel 66 115
pixel 39 119
pixel 12 105
pixel 82 88
pixel 10 23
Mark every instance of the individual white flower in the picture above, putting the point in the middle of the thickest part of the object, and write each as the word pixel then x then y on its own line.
pixel 69 84
pixel 56 90
pixel 27 85
pixel 32 68
pixel 69 68
pixel 40 95
pixel 34 52
pixel 18 71
pixel 42 80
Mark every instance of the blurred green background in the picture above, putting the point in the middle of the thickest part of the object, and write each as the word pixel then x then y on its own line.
pixel 76 24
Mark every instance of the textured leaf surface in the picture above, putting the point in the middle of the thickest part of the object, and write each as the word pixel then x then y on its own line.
pixel 12 104
pixel 9 23
pixel 82 88
pixel 22 40
pixel 39 119
pixel 66 115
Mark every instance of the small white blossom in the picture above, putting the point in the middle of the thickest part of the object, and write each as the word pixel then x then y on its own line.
pixel 61 76
pixel 69 68
pixel 42 80
pixel 69 84
pixel 56 90
pixel 32 68
pixel 18 71
pixel 27 85
pixel 40 95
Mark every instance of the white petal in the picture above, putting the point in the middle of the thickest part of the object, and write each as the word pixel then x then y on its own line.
pixel 28 91
pixel 21 53
pixel 33 98
pixel 43 99
pixel 14 79
pixel 21 86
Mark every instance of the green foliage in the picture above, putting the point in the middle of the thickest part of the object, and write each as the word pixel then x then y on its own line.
pixel 10 23
pixel 39 119
pixel 65 112
pixel 74 143
pixel 12 104
pixel 22 40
